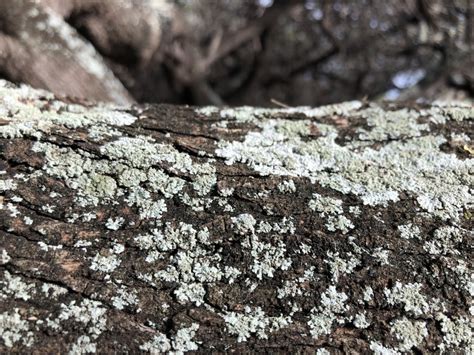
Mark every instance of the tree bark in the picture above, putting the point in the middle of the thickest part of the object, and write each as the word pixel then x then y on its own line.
pixel 345 228
pixel 39 46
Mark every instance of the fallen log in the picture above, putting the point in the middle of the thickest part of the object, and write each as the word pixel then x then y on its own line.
pixel 341 229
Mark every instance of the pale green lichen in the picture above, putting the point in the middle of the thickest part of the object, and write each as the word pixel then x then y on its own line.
pixel 323 316
pixel 294 287
pixel 88 312
pixel 244 224
pixel 267 258
pixel 52 290
pixel 125 298
pixel 379 349
pixel 410 296
pixel 385 124
pixel 409 231
pixel 191 267
pixel 331 209
pixel 409 333
pixel 114 223
pixel 414 165
pixel 8 184
pixel 162 182
pixel 178 344
pixel 4 257
pixel 253 321
pixel 368 294
pixel 14 286
pixel 83 345
pixel 14 329
pixel 104 263
pixel 444 240
pixel 457 332
pixel 27 118
pixel 339 266
pixel 360 321
pixel 287 186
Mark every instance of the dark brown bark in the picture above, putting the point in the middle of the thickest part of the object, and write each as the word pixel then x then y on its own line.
pixel 163 228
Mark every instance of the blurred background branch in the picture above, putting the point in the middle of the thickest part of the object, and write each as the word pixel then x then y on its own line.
pixel 239 52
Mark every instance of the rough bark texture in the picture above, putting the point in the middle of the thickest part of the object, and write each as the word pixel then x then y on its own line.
pixel 345 228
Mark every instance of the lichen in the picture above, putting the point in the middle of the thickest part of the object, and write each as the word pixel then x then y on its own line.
pixel 88 312
pixel 83 345
pixel 125 298
pixel 377 176
pixel 253 321
pixel 14 286
pixel 13 329
pixel 379 349
pixel 178 344
pixel 323 316
pixel 457 332
pixel 409 231
pixel 331 209
pixel 4 257
pixel 244 224
pixel 339 266
pixel 409 333
pixel 410 296
pixel 210 238
pixel 104 263
pixel 27 118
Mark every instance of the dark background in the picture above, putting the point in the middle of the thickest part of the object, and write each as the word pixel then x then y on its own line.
pixel 240 52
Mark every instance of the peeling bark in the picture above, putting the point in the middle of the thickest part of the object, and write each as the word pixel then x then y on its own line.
pixel 345 228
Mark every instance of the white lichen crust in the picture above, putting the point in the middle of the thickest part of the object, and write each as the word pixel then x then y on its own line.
pixel 236 229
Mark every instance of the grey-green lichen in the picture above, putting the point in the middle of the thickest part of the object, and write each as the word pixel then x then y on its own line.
pixel 32 120
pixel 409 333
pixel 145 179
pixel 178 344
pixel 14 329
pixel 411 163
pixel 253 321
pixel 331 209
pixel 332 307
pixel 410 295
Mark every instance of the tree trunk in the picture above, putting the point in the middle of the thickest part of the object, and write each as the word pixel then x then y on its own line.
pixel 39 46
pixel 345 228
